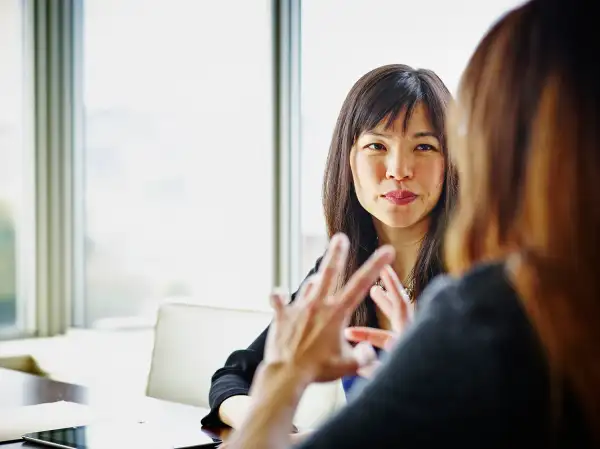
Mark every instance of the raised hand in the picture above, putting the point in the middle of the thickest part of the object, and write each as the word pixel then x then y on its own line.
pixel 395 303
pixel 308 335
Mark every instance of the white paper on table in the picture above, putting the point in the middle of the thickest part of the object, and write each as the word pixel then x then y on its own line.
pixel 16 421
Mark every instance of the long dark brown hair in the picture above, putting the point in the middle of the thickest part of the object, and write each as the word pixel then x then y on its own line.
pixel 381 96
pixel 526 139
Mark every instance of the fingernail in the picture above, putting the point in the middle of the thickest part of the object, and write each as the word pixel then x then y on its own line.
pixel 341 239
pixel 389 251
pixel 393 274
pixel 282 293
pixel 390 270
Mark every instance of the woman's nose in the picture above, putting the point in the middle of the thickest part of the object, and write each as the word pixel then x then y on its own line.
pixel 399 166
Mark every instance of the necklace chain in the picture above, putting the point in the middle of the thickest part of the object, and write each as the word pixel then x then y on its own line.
pixel 409 288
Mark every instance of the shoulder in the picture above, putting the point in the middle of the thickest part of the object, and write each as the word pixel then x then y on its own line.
pixel 483 312
pixel 475 331
pixel 483 290
pixel 316 267
pixel 312 271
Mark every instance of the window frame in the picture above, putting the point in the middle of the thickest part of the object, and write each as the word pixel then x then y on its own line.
pixel 287 53
pixel 54 145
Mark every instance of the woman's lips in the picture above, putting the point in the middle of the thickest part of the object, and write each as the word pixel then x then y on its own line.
pixel 400 197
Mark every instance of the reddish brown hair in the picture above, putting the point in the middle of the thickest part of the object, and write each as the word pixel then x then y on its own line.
pixel 525 136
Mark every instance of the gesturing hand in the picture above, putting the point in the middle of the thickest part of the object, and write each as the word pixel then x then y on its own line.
pixel 394 302
pixel 308 335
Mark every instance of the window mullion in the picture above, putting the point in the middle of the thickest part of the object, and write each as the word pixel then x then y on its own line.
pixel 53 56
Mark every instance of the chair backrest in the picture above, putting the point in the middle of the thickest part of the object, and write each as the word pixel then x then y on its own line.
pixel 192 341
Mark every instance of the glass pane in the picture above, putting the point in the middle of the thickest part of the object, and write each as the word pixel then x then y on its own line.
pixel 178 150
pixel 12 177
pixel 363 35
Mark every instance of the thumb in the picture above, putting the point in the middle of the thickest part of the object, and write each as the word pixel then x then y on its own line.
pixel 346 366
pixel 361 355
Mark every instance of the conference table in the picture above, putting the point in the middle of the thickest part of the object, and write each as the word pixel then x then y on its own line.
pixel 20 389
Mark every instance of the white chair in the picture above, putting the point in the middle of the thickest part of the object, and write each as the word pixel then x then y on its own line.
pixel 192 341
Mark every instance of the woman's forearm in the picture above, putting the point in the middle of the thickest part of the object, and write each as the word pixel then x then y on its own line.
pixel 233 410
pixel 276 392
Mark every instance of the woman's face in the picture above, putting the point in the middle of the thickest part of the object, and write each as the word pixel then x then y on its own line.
pixel 398 176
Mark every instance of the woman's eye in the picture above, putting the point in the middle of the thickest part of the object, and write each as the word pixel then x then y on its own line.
pixel 376 147
pixel 425 147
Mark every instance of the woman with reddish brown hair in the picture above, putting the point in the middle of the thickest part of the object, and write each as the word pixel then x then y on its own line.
pixel 506 352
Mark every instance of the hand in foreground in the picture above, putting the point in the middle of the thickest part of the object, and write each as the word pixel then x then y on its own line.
pixel 306 343
pixel 395 303
pixel 307 336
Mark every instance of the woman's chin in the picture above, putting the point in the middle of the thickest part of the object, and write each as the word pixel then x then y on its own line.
pixel 399 222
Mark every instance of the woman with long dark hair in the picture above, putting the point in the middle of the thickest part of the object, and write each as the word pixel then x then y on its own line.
pixel 388 180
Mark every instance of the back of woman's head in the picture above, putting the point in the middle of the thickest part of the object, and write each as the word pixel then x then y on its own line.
pixel 380 97
pixel 526 139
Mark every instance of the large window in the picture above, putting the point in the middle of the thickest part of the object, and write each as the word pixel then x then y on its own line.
pixel 178 152
pixel 342 40
pixel 13 179
pixel 171 190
